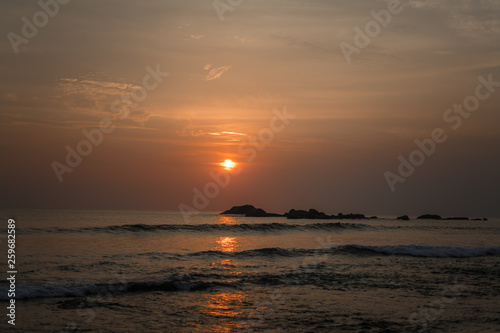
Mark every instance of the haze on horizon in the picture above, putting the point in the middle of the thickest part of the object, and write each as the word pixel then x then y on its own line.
pixel 351 120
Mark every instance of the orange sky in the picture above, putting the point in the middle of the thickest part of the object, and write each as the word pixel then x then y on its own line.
pixel 351 120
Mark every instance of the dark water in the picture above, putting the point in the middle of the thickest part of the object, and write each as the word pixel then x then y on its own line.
pixel 109 271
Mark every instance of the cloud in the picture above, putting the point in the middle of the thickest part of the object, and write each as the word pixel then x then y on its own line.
pixel 196 37
pixel 243 39
pixel 471 18
pixel 9 97
pixel 209 131
pixel 215 72
pixel 92 92
pixel 226 133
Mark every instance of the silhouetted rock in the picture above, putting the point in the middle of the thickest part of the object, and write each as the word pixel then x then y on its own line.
pixel 352 216
pixel 240 210
pixel 300 214
pixel 249 211
pixel 258 212
pixel 316 215
pixel 429 217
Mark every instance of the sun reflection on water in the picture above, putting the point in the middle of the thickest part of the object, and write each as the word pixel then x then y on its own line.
pixel 224 219
pixel 226 307
pixel 227 244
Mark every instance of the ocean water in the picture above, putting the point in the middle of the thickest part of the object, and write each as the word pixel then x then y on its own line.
pixel 138 271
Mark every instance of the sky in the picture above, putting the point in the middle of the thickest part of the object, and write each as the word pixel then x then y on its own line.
pixel 317 103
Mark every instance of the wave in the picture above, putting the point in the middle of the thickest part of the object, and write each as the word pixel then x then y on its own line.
pixel 196 281
pixel 425 251
pixel 244 227
pixel 265 252
pixel 360 250
pixel 214 277
pixel 53 291
pixel 408 250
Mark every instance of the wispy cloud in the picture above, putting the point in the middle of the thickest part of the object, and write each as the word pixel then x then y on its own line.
pixel 9 96
pixel 226 133
pixel 93 90
pixel 243 39
pixel 215 72
pixel 192 130
pixel 472 18
pixel 92 94
pixel 196 37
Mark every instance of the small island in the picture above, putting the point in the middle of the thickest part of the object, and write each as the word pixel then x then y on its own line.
pixel 251 211
pixel 459 218
pixel 313 214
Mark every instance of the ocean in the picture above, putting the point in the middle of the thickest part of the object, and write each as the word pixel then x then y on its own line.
pixel 145 271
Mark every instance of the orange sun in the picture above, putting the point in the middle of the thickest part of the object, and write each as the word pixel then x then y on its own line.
pixel 228 164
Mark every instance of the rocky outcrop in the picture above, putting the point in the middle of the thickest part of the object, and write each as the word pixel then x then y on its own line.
pixel 249 211
pixel 429 217
pixel 302 214
pixel 455 218
pixel 349 216
pixel 313 214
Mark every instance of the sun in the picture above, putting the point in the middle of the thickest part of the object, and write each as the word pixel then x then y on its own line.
pixel 228 164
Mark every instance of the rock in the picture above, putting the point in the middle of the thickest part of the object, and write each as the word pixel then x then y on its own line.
pixel 249 211
pixel 240 210
pixel 257 212
pixel 485 219
pixel 349 216
pixel 429 217
pixel 310 214
pixel 299 214
pixel 317 215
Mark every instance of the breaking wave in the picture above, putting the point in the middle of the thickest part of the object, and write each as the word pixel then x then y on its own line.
pixel 244 227
pixel 425 251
